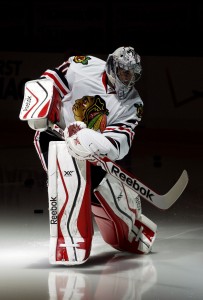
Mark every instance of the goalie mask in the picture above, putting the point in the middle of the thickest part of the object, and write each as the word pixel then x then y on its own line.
pixel 123 69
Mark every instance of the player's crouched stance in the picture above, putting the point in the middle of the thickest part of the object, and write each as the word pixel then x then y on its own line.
pixel 118 215
pixel 118 212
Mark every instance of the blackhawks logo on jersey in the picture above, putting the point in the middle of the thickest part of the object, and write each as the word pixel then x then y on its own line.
pixel 81 59
pixel 92 111
pixel 139 110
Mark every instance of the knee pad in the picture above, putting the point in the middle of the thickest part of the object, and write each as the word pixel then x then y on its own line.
pixel 120 219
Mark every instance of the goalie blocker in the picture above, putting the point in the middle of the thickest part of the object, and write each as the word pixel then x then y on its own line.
pixel 41 105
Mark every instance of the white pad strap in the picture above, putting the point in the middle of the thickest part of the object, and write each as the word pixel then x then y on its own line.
pixel 71 227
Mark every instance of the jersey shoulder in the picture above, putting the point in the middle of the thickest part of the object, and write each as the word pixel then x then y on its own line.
pixel 88 69
pixel 86 61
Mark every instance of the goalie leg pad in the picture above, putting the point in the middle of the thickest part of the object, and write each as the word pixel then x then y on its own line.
pixel 71 227
pixel 119 218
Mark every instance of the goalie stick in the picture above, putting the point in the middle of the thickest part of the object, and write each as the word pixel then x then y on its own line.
pixel 160 201
pixel 163 202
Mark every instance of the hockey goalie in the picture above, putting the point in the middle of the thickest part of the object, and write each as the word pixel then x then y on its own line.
pixel 83 109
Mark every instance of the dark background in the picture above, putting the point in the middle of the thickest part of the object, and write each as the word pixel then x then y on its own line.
pixel 172 28
pixel 168 35
pixel 157 30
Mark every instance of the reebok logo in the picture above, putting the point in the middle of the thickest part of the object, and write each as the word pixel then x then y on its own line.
pixel 53 210
pixel 27 103
pixel 132 183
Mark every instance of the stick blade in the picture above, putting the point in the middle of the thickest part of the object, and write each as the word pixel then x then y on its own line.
pixel 167 200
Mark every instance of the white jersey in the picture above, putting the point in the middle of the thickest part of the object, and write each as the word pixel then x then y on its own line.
pixel 86 96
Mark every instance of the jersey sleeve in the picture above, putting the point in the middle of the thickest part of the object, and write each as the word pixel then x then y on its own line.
pixel 123 131
pixel 57 75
